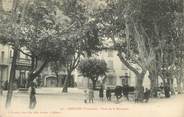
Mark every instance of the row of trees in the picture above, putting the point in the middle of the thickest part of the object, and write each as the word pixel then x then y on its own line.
pixel 53 31
pixel 147 34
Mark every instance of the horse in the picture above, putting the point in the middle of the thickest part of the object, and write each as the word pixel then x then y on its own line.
pixel 125 90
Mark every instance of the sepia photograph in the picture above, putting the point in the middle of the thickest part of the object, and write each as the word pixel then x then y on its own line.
pixel 91 58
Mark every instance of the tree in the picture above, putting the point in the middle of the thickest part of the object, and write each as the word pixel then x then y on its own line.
pixel 138 30
pixel 34 25
pixel 82 37
pixel 73 56
pixel 158 22
pixel 128 37
pixel 92 69
pixel 179 47
pixel 56 67
pixel 59 26
pixel 12 38
pixel 42 33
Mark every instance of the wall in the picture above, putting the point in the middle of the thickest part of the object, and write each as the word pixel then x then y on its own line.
pixel 23 64
pixel 4 61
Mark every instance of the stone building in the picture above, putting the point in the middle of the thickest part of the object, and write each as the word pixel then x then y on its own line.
pixel 23 65
pixel 50 79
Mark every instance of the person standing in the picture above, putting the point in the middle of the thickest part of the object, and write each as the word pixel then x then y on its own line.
pixel 101 93
pixel 108 94
pixel 85 96
pixel 167 91
pixel 161 86
pixel 146 95
pixel 91 95
pixel 118 92
pixel 126 91
pixel 32 103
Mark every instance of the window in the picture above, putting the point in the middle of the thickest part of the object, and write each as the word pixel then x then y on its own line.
pixel 2 56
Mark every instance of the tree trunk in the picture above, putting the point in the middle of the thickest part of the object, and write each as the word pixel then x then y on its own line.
pixel 154 83
pixel 65 87
pixel 179 79
pixel 57 76
pixel 179 89
pixel 1 82
pixel 57 80
pixel 34 74
pixel 163 79
pixel 94 84
pixel 153 87
pixel 172 86
pixel 11 79
pixel 182 85
pixel 139 87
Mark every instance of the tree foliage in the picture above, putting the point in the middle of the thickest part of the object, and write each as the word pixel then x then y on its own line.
pixel 143 32
pixel 92 69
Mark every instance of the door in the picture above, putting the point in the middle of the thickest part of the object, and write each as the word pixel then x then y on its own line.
pixel 51 82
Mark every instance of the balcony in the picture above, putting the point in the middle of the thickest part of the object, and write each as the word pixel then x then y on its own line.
pixel 22 64
pixel 22 61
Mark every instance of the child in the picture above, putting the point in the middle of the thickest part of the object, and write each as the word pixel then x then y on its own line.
pixel 85 96
pixel 108 94
pixel 91 96
pixel 101 93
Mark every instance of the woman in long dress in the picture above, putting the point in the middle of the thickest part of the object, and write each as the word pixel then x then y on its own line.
pixel 32 103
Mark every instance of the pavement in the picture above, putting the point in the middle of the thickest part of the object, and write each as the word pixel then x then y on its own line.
pixel 51 102
pixel 47 91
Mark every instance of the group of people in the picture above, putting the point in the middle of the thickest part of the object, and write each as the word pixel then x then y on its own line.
pixel 147 94
pixel 108 93
pixel 164 90
pixel 89 95
pixel 119 92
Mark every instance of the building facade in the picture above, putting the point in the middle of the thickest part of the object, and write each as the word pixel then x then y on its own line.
pixel 4 62
pixel 50 79
pixel 23 65
pixel 117 74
